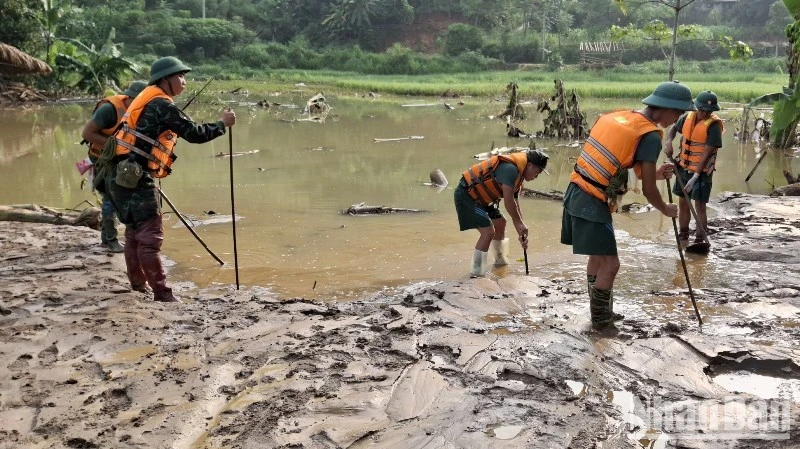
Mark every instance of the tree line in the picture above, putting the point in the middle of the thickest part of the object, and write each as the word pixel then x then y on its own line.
pixel 370 36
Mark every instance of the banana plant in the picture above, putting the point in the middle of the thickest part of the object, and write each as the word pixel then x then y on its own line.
pixel 94 70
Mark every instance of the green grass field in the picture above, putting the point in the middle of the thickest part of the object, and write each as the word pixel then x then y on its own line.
pixel 730 87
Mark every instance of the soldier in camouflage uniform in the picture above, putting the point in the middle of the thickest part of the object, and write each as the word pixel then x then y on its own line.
pixel 105 118
pixel 153 117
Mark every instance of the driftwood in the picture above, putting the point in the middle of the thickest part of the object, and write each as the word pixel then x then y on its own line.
pixel 498 151
pixel 31 213
pixel 363 209
pixel 553 194
pixel 420 105
pixel 793 189
pixel 397 139
pixel 236 153
pixel 790 178
pixel 506 150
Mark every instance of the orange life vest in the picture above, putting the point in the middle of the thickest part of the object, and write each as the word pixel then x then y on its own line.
pixel 118 102
pixel 160 155
pixel 482 185
pixel 610 147
pixel 694 135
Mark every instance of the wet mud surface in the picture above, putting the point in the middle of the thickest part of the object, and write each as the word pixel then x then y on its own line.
pixel 505 361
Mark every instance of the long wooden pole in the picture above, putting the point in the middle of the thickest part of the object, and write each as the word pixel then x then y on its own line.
pixel 525 254
pixel 758 162
pixel 163 195
pixel 233 209
pixel 683 260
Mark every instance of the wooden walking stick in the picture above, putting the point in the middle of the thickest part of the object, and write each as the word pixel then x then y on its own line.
pixel 525 254
pixel 189 227
pixel 758 162
pixel 233 209
pixel 683 261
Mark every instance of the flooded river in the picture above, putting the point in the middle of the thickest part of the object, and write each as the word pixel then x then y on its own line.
pixel 289 192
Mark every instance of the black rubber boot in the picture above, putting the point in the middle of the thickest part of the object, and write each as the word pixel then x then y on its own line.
pixel 600 308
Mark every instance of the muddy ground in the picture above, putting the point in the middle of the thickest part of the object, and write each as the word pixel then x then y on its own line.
pixel 501 362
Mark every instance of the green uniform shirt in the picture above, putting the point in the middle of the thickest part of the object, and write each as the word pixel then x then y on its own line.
pixel 583 205
pixel 105 116
pixel 714 132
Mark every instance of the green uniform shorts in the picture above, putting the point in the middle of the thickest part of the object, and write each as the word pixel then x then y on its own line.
pixel 588 237
pixel 701 191
pixel 472 215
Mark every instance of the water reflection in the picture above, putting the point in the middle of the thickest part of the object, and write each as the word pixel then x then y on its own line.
pixel 290 192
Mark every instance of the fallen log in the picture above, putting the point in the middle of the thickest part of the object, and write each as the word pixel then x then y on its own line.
pixel 363 209
pixel 420 105
pixel 32 213
pixel 790 190
pixel 498 151
pixel 553 194
pixel 397 139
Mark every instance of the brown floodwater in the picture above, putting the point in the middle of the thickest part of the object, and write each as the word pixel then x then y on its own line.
pixel 289 192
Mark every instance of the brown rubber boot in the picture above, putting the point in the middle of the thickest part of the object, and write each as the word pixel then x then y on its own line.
pixel 165 296
pixel 142 288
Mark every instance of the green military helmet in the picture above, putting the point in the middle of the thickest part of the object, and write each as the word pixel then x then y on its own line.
pixel 165 67
pixel 135 88
pixel 671 95
pixel 538 158
pixel 707 101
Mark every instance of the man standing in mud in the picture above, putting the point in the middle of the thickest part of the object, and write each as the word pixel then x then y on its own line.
pixel 144 151
pixel 106 117
pixel 477 198
pixel 618 141
pixel 701 133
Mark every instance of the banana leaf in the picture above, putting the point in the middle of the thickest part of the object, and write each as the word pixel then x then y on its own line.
pixel 770 98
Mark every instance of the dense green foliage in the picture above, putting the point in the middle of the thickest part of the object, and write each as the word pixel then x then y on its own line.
pixel 371 36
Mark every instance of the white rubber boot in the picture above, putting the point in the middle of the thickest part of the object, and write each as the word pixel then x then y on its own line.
pixel 500 251
pixel 478 263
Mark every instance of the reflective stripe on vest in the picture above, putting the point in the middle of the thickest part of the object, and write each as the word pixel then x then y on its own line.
pixel 694 136
pixel 610 147
pixel 118 102
pixel 481 182
pixel 160 154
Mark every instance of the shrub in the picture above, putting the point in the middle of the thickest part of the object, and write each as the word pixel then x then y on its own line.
pixel 461 37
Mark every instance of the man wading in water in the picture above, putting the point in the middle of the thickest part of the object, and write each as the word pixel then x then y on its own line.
pixel 477 198
pixel 618 141
pixel 144 151
pixel 106 117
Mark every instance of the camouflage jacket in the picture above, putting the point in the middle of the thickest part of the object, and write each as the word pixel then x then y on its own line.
pixel 161 115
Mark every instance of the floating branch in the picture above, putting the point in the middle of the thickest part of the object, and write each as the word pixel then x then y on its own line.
pixel 363 209
pixel 397 139
pixel 553 194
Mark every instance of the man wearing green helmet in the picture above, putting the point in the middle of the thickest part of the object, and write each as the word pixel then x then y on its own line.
pixel 106 117
pixel 701 133
pixel 145 149
pixel 618 141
